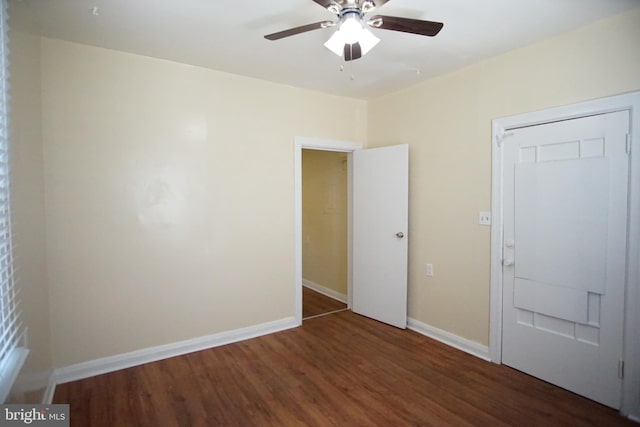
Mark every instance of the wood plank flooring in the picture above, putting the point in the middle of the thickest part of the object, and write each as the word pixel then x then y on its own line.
pixel 336 370
pixel 315 303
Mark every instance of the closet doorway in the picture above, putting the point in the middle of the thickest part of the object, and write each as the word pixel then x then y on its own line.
pixel 325 201
pixel 377 224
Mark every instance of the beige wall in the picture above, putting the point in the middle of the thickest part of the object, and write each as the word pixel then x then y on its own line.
pixel 324 219
pixel 447 123
pixel 27 192
pixel 169 197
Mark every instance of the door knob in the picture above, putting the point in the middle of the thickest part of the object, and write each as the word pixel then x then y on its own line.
pixel 399 234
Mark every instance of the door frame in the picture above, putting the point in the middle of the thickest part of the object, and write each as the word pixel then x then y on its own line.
pixel 307 143
pixel 500 134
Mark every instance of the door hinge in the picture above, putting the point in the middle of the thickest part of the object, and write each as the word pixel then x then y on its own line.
pixel 628 144
pixel 621 369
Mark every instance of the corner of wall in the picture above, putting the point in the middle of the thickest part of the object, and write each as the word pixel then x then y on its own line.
pixel 27 200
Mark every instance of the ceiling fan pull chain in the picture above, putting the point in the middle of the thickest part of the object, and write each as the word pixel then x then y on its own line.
pixel 350 70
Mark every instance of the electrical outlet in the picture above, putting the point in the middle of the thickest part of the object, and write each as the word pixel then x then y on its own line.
pixel 429 270
pixel 484 218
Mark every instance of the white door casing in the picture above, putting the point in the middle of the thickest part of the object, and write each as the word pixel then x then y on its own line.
pixel 564 225
pixel 502 128
pixel 380 233
pixel 326 145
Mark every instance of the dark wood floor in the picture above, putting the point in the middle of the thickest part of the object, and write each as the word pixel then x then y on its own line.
pixel 315 303
pixel 336 370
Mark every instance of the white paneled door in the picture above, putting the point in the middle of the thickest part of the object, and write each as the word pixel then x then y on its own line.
pixel 564 253
pixel 380 224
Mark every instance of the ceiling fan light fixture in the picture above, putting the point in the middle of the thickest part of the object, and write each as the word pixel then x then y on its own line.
pixel 336 43
pixel 351 28
pixel 350 32
pixel 367 41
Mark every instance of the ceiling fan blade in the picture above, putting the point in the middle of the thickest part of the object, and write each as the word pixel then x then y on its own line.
pixel 380 3
pixel 406 25
pixel 299 30
pixel 367 6
pixel 335 6
pixel 352 51
pixel 324 3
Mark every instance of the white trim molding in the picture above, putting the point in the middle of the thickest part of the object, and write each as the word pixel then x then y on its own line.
pixel 47 396
pixel 127 360
pixel 328 292
pixel 627 102
pixel 12 364
pixel 306 143
pixel 32 381
pixel 35 381
pixel 474 348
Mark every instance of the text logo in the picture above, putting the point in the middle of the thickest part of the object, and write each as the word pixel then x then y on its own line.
pixel 34 415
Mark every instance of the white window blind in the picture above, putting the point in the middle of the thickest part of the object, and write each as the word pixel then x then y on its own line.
pixel 12 355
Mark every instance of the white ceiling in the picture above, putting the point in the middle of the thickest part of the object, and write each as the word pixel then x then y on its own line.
pixel 227 35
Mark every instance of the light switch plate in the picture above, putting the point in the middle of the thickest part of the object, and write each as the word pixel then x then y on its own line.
pixel 429 270
pixel 484 218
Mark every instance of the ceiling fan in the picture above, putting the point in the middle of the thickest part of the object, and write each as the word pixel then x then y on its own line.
pixel 352 39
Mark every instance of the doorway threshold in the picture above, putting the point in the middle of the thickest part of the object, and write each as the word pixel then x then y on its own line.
pixel 325 314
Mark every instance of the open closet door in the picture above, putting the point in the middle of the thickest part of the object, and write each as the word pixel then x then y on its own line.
pixel 380 228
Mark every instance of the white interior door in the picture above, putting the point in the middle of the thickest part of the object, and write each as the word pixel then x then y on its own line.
pixel 565 222
pixel 380 225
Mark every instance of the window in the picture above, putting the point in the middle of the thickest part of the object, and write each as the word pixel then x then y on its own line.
pixel 11 331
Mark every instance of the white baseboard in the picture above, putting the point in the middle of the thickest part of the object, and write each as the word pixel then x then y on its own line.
pixel 325 291
pixel 127 360
pixel 468 346
pixel 47 396
pixel 32 381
